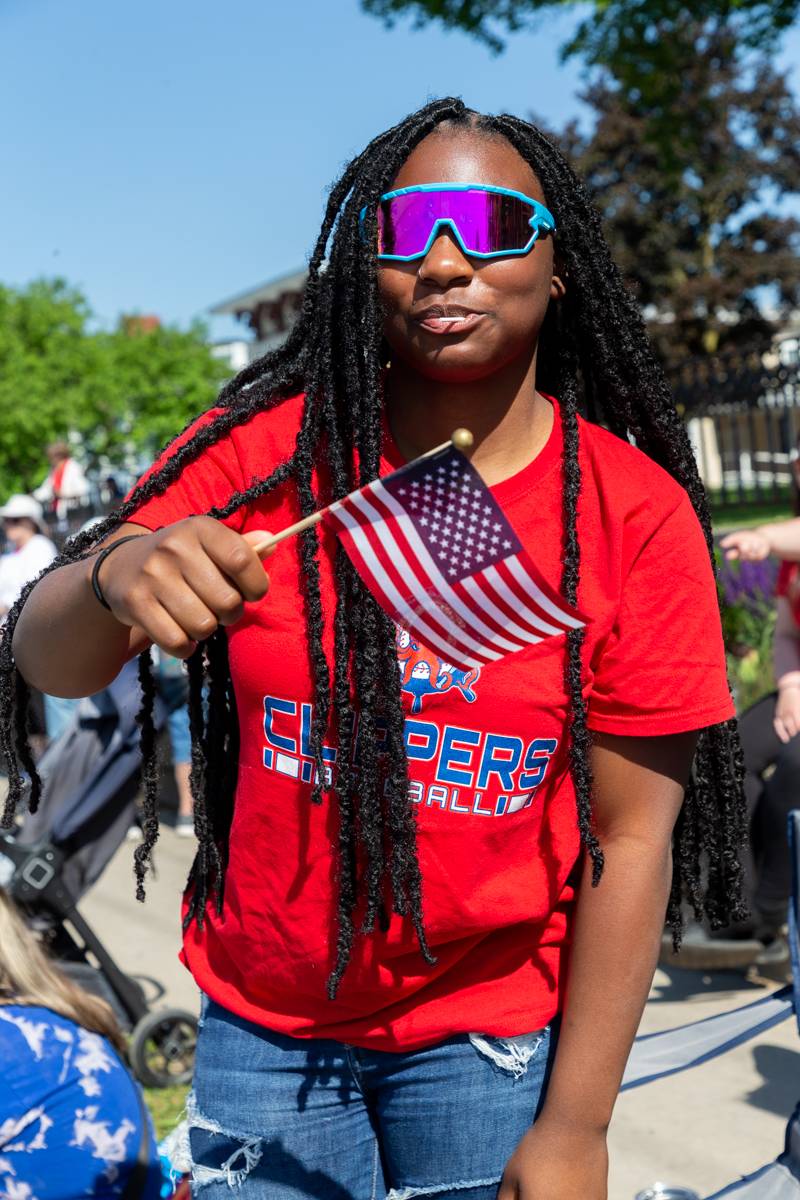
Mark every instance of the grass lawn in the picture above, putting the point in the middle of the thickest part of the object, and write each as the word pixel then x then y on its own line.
pixel 726 517
pixel 166 1106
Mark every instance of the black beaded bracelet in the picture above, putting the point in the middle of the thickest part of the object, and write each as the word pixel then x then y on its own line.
pixel 98 562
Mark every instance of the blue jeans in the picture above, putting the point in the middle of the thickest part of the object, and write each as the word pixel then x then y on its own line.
pixel 279 1118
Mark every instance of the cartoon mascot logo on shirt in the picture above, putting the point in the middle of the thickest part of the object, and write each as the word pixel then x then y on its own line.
pixel 423 673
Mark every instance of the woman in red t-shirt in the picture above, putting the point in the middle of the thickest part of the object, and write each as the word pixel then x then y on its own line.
pixel 408 848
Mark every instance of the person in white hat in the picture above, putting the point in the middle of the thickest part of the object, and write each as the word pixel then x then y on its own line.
pixel 31 550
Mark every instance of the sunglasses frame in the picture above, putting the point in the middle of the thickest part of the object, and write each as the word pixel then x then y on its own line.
pixel 542 221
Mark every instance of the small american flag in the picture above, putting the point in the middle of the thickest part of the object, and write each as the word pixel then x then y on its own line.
pixel 439 555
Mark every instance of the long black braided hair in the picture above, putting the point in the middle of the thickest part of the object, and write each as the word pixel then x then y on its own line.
pixel 594 352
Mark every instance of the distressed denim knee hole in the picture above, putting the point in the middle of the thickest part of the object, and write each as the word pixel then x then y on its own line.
pixel 217 1154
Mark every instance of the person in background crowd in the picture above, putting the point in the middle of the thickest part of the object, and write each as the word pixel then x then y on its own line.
pixel 72 1120
pixel 770 743
pixel 172 685
pixel 31 549
pixel 110 490
pixel 66 486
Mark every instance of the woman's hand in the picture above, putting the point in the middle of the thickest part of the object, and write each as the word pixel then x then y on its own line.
pixel 179 584
pixel 787 712
pixel 751 545
pixel 556 1162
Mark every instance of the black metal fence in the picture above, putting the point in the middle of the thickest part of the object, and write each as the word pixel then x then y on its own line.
pixel 743 417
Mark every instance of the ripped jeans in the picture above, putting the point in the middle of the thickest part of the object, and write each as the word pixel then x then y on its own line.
pixel 278 1118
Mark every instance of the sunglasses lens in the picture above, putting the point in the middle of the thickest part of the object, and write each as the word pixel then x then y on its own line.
pixel 487 222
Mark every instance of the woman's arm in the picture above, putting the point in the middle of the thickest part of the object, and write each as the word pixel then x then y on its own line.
pixel 786 656
pixel 638 790
pixel 781 538
pixel 172 588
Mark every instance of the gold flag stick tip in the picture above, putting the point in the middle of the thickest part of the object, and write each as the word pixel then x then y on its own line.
pixel 462 439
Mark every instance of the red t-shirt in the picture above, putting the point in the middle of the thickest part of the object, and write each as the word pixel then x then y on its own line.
pixel 490 785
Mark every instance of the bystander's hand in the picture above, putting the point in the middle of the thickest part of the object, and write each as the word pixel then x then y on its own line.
pixel 787 712
pixel 750 545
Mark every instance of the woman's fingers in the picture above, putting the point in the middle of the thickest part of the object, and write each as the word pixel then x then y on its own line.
pixel 216 591
pixel 161 629
pixel 257 537
pixel 235 557
pixel 224 592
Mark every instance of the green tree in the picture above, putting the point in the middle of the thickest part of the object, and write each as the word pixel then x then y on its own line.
pixel 612 29
pixel 648 46
pixel 121 392
pixel 708 251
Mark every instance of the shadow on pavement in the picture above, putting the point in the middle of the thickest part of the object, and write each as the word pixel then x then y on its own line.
pixel 779 1068
pixel 688 985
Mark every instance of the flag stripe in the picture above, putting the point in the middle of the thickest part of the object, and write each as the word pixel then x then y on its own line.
pixel 387 594
pixel 522 601
pixel 388 525
pixel 512 611
pixel 475 593
pixel 397 607
pixel 516 602
pixel 559 613
pixel 415 542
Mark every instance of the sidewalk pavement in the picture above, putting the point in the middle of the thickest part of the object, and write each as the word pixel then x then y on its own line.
pixel 701 1129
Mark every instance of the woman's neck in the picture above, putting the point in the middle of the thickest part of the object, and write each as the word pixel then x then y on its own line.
pixel 509 420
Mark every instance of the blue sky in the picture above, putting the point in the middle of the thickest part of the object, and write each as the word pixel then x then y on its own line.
pixel 166 154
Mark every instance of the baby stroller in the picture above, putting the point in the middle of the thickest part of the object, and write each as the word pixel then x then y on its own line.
pixel 90 778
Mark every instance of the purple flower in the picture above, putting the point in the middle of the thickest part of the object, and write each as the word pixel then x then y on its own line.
pixel 751 585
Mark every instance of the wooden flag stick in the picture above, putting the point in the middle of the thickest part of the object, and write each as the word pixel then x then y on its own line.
pixel 462 439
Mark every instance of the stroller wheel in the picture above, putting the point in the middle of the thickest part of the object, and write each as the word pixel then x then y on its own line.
pixel 162 1047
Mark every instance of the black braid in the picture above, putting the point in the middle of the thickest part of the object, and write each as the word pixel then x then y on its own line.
pixel 592 348
pixel 150 772
pixel 580 740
